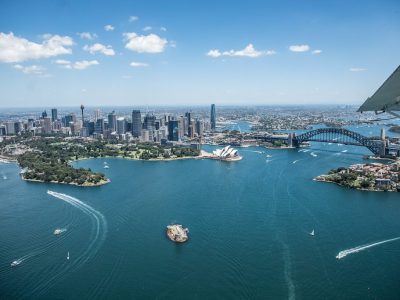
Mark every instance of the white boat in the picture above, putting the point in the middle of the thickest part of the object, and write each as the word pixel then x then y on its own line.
pixel 68 255
pixel 58 231
pixel 312 233
pixel 106 167
pixel 16 263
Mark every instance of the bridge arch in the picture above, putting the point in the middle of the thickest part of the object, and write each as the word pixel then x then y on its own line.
pixel 339 135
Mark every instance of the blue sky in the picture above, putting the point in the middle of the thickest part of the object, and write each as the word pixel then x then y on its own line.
pixel 195 52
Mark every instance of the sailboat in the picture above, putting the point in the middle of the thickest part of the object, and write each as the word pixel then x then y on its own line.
pixel 312 233
pixel 68 255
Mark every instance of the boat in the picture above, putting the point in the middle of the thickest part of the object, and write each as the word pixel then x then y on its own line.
pixel 16 263
pixel 106 167
pixel 177 233
pixel 68 255
pixel 312 233
pixel 58 231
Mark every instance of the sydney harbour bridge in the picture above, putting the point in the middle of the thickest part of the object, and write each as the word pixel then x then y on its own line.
pixel 379 146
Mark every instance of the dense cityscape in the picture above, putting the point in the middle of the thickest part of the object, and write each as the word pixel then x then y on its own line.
pixel 199 149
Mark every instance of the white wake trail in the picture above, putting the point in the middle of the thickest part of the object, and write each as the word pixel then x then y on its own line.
pixel 99 221
pixel 346 252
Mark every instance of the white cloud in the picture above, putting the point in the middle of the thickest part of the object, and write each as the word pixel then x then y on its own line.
pixel 357 69
pixel 138 64
pixel 33 69
pixel 163 29
pixel 214 53
pixel 317 51
pixel 109 28
pixel 151 43
pixel 62 62
pixel 83 64
pixel 106 50
pixel 299 48
pixel 133 18
pixel 87 35
pixel 15 49
pixel 147 28
pixel 248 51
pixel 78 65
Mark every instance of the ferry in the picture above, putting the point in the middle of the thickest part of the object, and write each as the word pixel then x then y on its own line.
pixel 177 233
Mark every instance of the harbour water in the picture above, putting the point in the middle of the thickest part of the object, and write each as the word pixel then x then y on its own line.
pixel 249 225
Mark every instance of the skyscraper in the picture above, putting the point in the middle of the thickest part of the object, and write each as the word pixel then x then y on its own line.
pixel 53 114
pixel 136 123
pixel 82 108
pixel 149 123
pixel 112 121
pixel 173 130
pixel 121 125
pixel 213 117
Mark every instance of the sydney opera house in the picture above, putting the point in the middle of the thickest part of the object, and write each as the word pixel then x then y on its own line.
pixel 227 153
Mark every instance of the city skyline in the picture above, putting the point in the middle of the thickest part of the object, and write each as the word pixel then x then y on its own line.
pixel 257 53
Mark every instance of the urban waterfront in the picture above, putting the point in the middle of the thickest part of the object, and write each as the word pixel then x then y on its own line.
pixel 249 225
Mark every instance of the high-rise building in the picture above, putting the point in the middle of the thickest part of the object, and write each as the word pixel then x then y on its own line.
pixel 53 114
pixel 112 121
pixel 121 125
pixel 173 130
pixel 136 123
pixel 46 125
pixel 97 115
pixel 149 123
pixel 10 127
pixel 187 123
pixel 99 127
pixel 199 127
pixel 213 117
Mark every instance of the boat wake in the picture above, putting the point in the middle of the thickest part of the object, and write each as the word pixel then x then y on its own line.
pixel 98 220
pixel 346 252
pixel 97 237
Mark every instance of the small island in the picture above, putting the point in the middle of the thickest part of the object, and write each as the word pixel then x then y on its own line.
pixel 47 159
pixel 366 177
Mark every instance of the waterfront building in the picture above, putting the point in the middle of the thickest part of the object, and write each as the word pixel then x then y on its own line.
pixel 173 130
pixel 136 123
pixel 112 121
pixel 53 114
pixel 213 117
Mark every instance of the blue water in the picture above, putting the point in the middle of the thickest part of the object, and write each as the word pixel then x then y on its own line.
pixel 249 225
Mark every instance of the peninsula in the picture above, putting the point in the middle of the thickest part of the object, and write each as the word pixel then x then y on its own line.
pixel 366 177
pixel 47 159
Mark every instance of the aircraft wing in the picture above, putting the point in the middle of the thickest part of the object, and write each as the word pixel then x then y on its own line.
pixel 387 97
